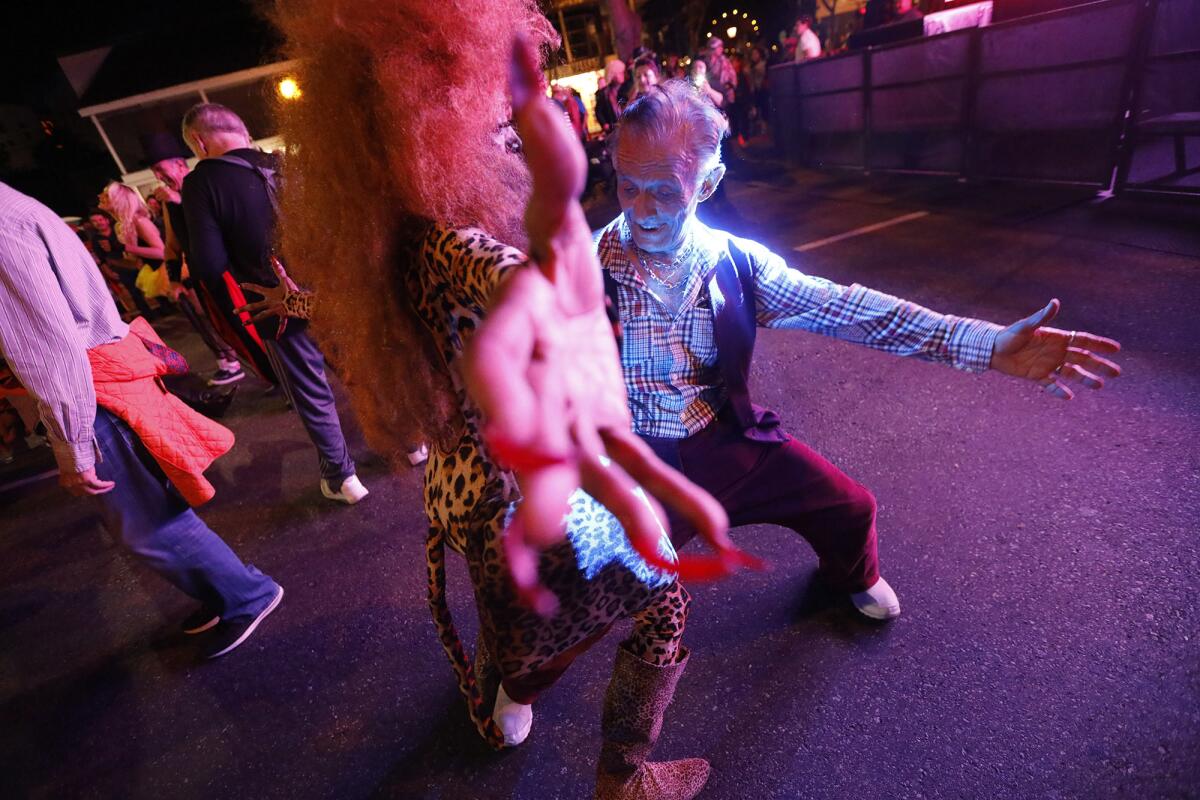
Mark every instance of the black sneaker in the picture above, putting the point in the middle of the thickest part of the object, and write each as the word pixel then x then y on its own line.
pixel 232 631
pixel 199 621
pixel 225 376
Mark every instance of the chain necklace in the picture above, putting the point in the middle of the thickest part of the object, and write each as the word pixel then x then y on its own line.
pixel 682 257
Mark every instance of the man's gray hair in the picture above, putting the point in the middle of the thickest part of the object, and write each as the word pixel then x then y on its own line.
pixel 675 110
pixel 208 118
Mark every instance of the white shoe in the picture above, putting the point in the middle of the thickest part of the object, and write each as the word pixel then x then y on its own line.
pixel 515 719
pixel 350 493
pixel 419 456
pixel 878 602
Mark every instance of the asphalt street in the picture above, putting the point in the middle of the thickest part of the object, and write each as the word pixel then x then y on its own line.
pixel 1045 554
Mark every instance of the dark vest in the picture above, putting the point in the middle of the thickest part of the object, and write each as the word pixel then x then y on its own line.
pixel 735 327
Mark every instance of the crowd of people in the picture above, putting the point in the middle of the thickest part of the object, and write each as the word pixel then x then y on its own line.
pixel 467 304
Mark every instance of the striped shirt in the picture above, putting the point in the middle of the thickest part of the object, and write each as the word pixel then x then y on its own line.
pixel 670 362
pixel 54 307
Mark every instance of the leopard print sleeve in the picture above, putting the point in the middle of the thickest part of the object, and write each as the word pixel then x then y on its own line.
pixel 470 263
pixel 297 304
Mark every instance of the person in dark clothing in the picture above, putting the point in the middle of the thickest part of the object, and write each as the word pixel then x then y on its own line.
pixel 610 97
pixel 167 158
pixel 108 247
pixel 229 209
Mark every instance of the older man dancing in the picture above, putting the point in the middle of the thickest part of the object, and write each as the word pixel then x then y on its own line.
pixel 690 298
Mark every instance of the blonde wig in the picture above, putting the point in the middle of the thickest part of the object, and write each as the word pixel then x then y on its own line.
pixel 125 204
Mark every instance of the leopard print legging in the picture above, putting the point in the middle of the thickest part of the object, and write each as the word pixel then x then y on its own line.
pixel 656 637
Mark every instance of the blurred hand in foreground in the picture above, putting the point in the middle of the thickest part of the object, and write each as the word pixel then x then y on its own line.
pixel 545 371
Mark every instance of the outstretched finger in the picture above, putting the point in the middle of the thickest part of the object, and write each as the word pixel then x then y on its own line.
pixel 1076 373
pixel 1092 362
pixel 281 273
pixel 613 489
pixel 258 289
pixel 1099 344
pixel 1056 389
pixel 522 569
pixel 524 78
pixel 706 516
pixel 250 308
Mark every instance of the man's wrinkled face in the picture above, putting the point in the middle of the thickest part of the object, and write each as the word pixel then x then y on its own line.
pixel 658 189
pixel 171 172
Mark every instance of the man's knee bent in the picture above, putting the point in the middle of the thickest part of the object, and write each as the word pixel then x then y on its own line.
pixel 860 507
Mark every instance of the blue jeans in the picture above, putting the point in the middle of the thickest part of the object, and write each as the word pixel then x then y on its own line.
pixel 300 367
pixel 147 514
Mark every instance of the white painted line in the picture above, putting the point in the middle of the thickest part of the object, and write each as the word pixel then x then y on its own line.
pixel 887 223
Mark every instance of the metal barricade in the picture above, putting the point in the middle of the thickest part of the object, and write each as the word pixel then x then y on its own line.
pixel 1044 98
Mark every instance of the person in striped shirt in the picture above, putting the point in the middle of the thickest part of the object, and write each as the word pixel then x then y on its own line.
pixel 690 298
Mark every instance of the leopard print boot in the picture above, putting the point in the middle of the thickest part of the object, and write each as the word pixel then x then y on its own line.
pixel 638 694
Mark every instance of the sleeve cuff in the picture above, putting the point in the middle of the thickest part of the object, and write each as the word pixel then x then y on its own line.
pixel 971 344
pixel 74 456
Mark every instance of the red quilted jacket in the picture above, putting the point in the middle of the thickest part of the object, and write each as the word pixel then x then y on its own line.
pixel 182 441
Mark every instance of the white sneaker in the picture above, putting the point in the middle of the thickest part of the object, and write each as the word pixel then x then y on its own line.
pixel 515 719
pixel 878 602
pixel 350 493
pixel 419 456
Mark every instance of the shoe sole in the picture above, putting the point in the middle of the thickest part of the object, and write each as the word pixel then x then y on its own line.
pixel 252 627
pixel 884 617
pixel 202 628
pixel 226 381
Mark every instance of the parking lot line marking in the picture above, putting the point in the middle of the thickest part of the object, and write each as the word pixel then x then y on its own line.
pixel 887 223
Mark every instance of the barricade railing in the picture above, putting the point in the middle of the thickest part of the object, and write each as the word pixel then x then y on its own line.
pixel 1044 98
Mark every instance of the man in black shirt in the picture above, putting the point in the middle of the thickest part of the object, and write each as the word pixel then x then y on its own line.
pixel 229 208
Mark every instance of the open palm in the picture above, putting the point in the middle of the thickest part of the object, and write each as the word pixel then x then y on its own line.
pixel 1053 357
pixel 545 370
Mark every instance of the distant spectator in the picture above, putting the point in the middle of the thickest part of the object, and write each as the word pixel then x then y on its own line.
pixel 608 99
pixel 645 76
pixel 722 77
pixel 699 79
pixel 135 227
pixel 109 247
pixel 156 214
pixel 672 67
pixel 578 98
pixel 566 101
pixel 906 11
pixel 755 79
pixel 808 44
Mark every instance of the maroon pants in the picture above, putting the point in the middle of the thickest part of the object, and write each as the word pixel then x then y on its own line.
pixel 786 483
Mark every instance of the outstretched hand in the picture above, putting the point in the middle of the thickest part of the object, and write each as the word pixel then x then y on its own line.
pixel 545 371
pixel 1052 357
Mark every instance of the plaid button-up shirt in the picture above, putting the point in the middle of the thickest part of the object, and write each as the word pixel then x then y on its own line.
pixel 670 361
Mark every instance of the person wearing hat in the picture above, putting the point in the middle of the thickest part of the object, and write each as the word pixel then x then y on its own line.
pixel 166 156
pixel 721 74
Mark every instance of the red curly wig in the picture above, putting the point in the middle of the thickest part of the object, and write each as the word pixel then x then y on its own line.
pixel 396 127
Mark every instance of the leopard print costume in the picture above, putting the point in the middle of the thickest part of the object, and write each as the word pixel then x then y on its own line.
pixel 468 498
pixel 298 303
